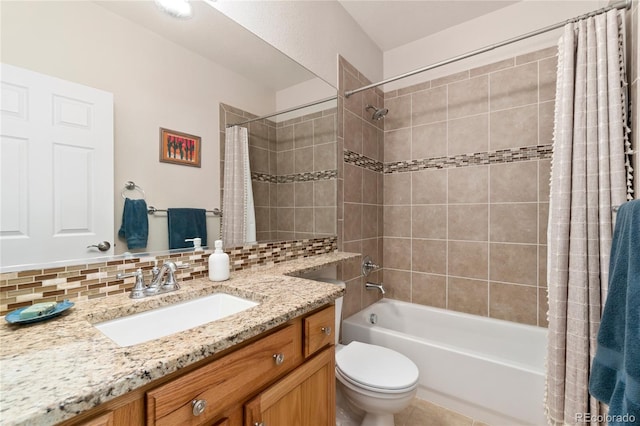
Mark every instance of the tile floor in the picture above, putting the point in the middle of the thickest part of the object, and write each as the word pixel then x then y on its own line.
pixel 424 413
pixel 419 413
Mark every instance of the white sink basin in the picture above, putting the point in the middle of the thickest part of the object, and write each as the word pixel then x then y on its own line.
pixel 161 322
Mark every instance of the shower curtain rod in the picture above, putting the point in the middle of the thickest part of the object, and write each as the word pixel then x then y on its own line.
pixel 624 4
pixel 331 98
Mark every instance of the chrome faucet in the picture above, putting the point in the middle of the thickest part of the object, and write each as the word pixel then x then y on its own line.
pixel 372 286
pixel 157 285
pixel 163 280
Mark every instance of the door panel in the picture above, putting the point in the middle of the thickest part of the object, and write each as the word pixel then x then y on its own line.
pixel 56 156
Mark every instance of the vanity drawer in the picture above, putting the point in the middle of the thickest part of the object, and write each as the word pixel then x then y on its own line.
pixel 319 330
pixel 224 381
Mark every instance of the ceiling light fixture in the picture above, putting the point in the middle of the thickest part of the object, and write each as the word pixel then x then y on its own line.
pixel 177 8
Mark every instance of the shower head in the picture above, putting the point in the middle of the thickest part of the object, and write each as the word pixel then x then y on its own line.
pixel 378 113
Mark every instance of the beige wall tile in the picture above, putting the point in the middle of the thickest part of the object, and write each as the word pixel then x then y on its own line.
pixel 397 221
pixel 259 160
pixel 397 188
pixel 468 184
pixel 369 186
pixel 352 297
pixel 514 263
pixel 369 221
pixel 324 192
pixel 514 87
pixel 426 186
pixel 468 97
pixel 352 132
pixel 512 302
pixel 544 177
pixel 428 106
pixel 468 259
pixel 547 69
pixel 397 145
pixel 370 141
pixel 468 222
pixel 543 308
pixel 468 135
pixel 428 141
pixel 324 129
pixel 399 115
pixel 428 289
pixel 543 222
pixel 261 194
pixel 259 135
pixel 397 253
pixel 496 66
pixel 304 220
pixel 397 284
pixel 515 127
pixel 513 182
pixel 303 194
pixel 514 223
pixel 546 111
pixel 303 134
pixel 324 157
pixel 352 184
pixel 285 195
pixel 466 295
pixel 352 221
pixel 286 219
pixel 284 137
pixel 542 266
pixel 325 220
pixel 303 160
pixel 428 221
pixel 428 256
pixel 285 163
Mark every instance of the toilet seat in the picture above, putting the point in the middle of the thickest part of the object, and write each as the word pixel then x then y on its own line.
pixel 376 368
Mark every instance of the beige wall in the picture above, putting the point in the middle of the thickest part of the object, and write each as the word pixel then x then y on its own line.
pixel 155 84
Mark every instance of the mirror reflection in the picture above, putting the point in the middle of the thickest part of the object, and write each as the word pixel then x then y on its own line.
pixel 180 75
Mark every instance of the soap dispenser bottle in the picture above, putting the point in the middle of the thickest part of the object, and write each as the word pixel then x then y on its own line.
pixel 218 263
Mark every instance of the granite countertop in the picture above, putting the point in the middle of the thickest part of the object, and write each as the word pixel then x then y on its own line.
pixel 52 370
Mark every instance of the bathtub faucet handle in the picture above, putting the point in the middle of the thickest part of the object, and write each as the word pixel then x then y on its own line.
pixel 368 266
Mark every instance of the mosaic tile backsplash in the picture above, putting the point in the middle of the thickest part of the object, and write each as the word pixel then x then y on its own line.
pixel 96 280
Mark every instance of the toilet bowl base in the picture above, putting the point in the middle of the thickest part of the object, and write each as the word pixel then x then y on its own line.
pixel 373 419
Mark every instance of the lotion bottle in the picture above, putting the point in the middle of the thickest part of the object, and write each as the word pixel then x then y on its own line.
pixel 218 263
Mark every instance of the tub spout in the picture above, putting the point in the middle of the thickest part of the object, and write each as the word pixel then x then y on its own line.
pixel 372 286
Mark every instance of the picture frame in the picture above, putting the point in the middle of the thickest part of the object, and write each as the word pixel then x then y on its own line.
pixel 179 148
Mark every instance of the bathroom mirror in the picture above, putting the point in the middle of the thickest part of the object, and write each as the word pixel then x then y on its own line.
pixel 174 74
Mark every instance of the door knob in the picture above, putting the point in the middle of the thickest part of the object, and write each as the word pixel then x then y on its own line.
pixel 102 246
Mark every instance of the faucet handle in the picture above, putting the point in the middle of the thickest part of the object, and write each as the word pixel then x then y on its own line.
pixel 137 291
pixel 368 266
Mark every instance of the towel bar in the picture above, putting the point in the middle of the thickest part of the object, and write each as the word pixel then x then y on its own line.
pixel 153 210
pixel 131 186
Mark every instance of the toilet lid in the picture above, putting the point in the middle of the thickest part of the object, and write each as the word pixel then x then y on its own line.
pixel 376 367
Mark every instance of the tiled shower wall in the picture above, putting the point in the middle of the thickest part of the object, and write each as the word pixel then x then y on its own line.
pixel 360 207
pixel 293 172
pixel 466 178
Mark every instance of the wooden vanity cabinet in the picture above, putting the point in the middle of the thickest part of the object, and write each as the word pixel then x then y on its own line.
pixel 286 377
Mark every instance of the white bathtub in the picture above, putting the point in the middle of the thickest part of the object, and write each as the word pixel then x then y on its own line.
pixel 488 369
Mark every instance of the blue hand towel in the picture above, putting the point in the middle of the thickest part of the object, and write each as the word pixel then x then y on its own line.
pixel 135 223
pixel 185 224
pixel 615 372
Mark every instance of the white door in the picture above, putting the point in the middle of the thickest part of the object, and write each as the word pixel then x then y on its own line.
pixel 56 169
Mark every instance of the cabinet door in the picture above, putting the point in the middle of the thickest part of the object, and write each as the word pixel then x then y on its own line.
pixel 305 397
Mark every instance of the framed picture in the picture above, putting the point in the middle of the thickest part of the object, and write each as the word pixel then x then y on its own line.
pixel 179 148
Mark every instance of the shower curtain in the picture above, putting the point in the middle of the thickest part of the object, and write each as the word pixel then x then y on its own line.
pixel 238 218
pixel 588 178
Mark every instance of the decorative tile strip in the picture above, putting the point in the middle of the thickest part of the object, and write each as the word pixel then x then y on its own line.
pixel 96 280
pixel 362 161
pixel 296 177
pixel 511 155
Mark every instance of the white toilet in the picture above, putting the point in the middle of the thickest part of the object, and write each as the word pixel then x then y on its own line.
pixel 376 380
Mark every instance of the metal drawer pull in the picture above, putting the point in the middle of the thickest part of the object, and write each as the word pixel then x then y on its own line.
pixel 326 330
pixel 278 358
pixel 198 406
pixel 258 424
